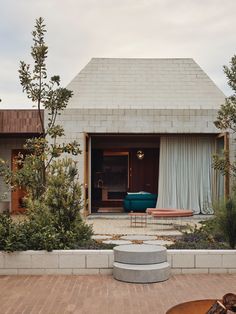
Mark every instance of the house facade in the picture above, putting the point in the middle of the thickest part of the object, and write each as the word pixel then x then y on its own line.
pixel 146 125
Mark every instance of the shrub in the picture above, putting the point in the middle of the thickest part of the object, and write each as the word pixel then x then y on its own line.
pixel 62 198
pixel 63 193
pixel 206 237
pixel 226 220
pixel 6 225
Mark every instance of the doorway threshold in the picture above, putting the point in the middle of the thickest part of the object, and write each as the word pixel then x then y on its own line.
pixel 108 216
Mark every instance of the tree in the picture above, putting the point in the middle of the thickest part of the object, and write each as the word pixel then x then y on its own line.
pixel 226 120
pixel 46 94
pixel 51 180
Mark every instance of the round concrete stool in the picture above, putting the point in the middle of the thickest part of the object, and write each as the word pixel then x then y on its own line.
pixel 141 273
pixel 140 254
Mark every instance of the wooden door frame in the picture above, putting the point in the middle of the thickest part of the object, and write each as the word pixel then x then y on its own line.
pixel 86 183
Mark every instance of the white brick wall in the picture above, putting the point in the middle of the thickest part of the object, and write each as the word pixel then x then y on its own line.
pixel 142 84
pixel 202 261
pixel 95 262
pixel 76 122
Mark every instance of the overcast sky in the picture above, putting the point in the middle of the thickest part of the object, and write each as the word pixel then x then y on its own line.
pixel 78 30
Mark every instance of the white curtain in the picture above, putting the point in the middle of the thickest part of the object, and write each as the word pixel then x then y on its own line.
pixel 185 175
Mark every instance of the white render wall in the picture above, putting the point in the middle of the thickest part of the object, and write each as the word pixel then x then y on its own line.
pixel 95 262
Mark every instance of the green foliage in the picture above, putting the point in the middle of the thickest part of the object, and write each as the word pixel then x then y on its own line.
pixel 63 199
pixel 51 181
pixel 226 220
pixel 205 238
pixel 48 94
pixel 5 229
pixel 216 233
pixel 39 231
pixel 226 121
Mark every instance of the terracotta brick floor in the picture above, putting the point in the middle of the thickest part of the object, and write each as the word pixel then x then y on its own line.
pixel 103 294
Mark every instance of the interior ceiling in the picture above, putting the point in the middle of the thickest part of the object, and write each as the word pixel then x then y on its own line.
pixel 125 141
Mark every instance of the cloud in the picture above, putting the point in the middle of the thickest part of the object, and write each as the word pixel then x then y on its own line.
pixel 81 29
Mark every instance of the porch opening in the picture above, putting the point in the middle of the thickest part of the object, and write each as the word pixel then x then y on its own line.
pixel 122 164
pixel 174 168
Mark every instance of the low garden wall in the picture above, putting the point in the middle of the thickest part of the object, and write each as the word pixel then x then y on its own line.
pixel 202 261
pixel 94 262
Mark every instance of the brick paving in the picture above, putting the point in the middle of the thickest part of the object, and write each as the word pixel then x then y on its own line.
pixel 103 294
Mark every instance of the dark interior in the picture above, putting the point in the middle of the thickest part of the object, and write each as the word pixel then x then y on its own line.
pixel 121 164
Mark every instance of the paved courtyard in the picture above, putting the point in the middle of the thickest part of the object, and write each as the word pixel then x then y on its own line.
pixel 103 294
pixel 113 228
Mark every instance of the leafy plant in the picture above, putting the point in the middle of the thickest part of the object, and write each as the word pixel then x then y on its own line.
pixel 207 236
pixel 226 121
pixel 44 93
pixel 38 231
pixel 226 220
pixel 5 227
pixel 51 180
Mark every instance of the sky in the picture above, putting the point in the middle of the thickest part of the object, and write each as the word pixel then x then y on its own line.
pixel 78 30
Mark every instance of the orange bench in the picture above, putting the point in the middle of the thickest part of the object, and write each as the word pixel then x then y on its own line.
pixel 168 212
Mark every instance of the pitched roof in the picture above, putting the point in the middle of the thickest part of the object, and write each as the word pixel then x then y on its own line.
pixel 144 83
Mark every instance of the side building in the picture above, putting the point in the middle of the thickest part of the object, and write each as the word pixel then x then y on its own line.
pixel 15 127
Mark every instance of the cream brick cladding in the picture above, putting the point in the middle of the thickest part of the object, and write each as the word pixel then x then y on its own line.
pixel 80 262
pixel 77 121
pixel 142 84
pixel 202 261
pixel 95 262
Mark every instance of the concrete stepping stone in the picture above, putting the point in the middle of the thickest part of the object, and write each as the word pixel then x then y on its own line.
pixel 158 242
pixel 101 237
pixel 141 254
pixel 138 237
pixel 141 273
pixel 117 242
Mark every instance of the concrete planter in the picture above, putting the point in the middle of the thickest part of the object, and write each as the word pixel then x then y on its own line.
pixel 4 206
pixel 95 262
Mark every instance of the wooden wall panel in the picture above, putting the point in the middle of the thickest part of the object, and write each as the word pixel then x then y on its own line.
pixel 19 121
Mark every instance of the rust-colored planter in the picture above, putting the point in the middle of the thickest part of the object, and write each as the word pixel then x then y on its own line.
pixel 192 307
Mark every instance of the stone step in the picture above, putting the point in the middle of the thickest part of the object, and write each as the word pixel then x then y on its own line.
pixel 141 254
pixel 141 273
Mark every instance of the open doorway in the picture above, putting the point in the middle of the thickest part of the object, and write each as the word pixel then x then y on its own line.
pixel 122 164
pixel 109 180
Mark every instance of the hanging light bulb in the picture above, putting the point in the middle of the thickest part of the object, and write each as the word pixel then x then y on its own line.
pixel 140 154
